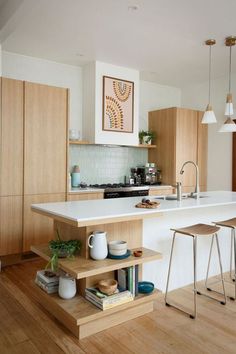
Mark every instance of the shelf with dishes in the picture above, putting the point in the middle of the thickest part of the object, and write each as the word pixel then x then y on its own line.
pixel 80 267
pixel 84 142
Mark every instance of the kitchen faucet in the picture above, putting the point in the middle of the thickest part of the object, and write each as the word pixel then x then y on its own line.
pixel 197 190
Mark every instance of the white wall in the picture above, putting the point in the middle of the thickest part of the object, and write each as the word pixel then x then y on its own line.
pixel 154 96
pixel 42 71
pixel 219 175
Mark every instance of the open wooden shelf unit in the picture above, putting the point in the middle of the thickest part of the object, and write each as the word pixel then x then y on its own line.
pixel 83 142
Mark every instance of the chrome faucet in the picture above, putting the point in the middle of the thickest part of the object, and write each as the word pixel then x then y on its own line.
pixel 197 189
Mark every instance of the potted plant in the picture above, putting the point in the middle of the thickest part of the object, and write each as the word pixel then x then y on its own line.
pixel 146 136
pixel 61 249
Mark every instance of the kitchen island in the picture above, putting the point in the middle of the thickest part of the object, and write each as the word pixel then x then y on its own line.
pixel 146 228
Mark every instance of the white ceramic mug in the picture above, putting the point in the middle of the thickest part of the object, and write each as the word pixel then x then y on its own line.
pixel 67 287
pixel 97 243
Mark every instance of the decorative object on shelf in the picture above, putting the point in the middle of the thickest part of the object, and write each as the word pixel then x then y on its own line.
pixel 107 286
pixel 47 280
pixel 97 243
pixel 61 249
pixel 229 126
pixel 146 137
pixel 117 248
pixel 138 253
pixel 126 255
pixel 75 176
pixel 209 115
pixel 118 105
pixel 67 287
pixel 74 134
pixel 145 287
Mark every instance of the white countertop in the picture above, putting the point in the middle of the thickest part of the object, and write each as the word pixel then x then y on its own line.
pixel 92 212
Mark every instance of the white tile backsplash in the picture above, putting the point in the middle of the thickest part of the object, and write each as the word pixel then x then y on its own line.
pixel 103 164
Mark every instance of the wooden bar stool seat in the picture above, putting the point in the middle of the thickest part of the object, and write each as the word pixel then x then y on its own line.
pixel 231 224
pixel 194 231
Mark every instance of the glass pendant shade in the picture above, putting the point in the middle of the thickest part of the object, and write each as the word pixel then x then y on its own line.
pixel 228 127
pixel 209 116
pixel 229 111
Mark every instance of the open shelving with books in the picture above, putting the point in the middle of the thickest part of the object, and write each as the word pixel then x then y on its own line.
pixel 78 314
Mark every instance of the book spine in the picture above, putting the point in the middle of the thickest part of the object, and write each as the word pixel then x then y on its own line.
pixel 49 290
pixel 46 279
pixel 122 278
pixel 109 306
pixel 130 279
pixel 109 299
pixel 136 279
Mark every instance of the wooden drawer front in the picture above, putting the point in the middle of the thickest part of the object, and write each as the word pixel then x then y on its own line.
pixel 166 191
pixel 10 225
pixel 38 229
pixel 84 196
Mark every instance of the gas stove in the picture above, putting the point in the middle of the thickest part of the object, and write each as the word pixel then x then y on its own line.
pixel 120 190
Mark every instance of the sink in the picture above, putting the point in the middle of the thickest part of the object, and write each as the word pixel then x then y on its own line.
pixel 184 196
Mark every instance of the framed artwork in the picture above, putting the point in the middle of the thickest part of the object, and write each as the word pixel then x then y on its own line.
pixel 118 105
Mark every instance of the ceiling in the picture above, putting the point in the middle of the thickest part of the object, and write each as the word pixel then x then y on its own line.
pixel 163 39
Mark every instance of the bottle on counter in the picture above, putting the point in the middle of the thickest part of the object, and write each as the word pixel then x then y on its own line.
pixel 69 181
pixel 75 176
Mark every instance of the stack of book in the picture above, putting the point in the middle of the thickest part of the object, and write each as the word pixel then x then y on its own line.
pixel 47 280
pixel 128 279
pixel 105 302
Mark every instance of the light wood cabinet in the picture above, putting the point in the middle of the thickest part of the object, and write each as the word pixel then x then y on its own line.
pixel 10 225
pixel 11 142
pixel 84 196
pixel 45 148
pixel 158 191
pixel 180 137
pixel 38 229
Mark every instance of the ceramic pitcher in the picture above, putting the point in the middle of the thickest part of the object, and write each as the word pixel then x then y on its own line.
pixel 97 243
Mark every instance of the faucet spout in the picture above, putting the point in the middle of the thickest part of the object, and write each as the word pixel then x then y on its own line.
pixel 197 189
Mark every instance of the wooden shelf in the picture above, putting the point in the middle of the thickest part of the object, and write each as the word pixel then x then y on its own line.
pixel 80 267
pixel 83 318
pixel 81 142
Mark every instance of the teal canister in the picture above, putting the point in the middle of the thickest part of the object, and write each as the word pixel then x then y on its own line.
pixel 75 176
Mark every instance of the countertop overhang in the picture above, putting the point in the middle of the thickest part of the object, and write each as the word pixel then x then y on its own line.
pixel 95 212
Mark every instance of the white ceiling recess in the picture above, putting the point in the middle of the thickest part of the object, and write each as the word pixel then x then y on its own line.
pixel 163 39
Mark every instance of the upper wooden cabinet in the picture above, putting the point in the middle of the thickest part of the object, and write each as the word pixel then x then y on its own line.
pixel 45 147
pixel 180 137
pixel 11 137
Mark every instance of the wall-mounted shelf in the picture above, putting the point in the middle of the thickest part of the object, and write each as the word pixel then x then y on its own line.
pixel 83 142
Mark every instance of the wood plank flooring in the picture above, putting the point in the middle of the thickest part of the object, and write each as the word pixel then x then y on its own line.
pixel 25 327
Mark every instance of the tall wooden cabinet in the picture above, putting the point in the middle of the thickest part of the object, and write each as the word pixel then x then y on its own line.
pixel 33 158
pixel 180 137
pixel 11 166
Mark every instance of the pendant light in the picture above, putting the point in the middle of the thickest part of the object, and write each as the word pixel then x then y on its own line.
pixel 229 125
pixel 209 116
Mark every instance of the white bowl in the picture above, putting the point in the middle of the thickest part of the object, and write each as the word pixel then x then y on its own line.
pixel 117 252
pixel 117 245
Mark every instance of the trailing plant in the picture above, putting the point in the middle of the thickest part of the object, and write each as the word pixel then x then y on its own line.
pixel 60 248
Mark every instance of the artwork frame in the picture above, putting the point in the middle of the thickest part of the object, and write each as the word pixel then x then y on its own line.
pixel 117 105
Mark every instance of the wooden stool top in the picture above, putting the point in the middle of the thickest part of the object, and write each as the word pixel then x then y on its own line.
pixel 198 230
pixel 227 223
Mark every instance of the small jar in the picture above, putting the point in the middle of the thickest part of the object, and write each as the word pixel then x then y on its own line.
pixel 67 287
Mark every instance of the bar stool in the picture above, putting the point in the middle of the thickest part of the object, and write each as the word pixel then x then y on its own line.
pixel 231 224
pixel 194 231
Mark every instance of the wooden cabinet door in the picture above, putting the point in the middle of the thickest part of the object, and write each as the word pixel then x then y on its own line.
pixel 10 225
pixel 38 229
pixel 11 138
pixel 186 145
pixel 45 150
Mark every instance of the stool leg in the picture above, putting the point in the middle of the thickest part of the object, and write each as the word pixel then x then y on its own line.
pixel 170 262
pixel 221 272
pixel 231 252
pixel 221 269
pixel 194 276
pixel 209 260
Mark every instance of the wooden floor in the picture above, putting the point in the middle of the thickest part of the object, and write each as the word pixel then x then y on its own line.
pixel 27 328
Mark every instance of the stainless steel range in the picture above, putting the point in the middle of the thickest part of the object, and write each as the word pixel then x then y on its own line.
pixel 120 190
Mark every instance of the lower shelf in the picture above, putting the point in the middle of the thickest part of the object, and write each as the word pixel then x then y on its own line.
pixel 83 318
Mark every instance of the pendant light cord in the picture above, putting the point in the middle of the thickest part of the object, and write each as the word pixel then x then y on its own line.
pixel 230 48
pixel 209 90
